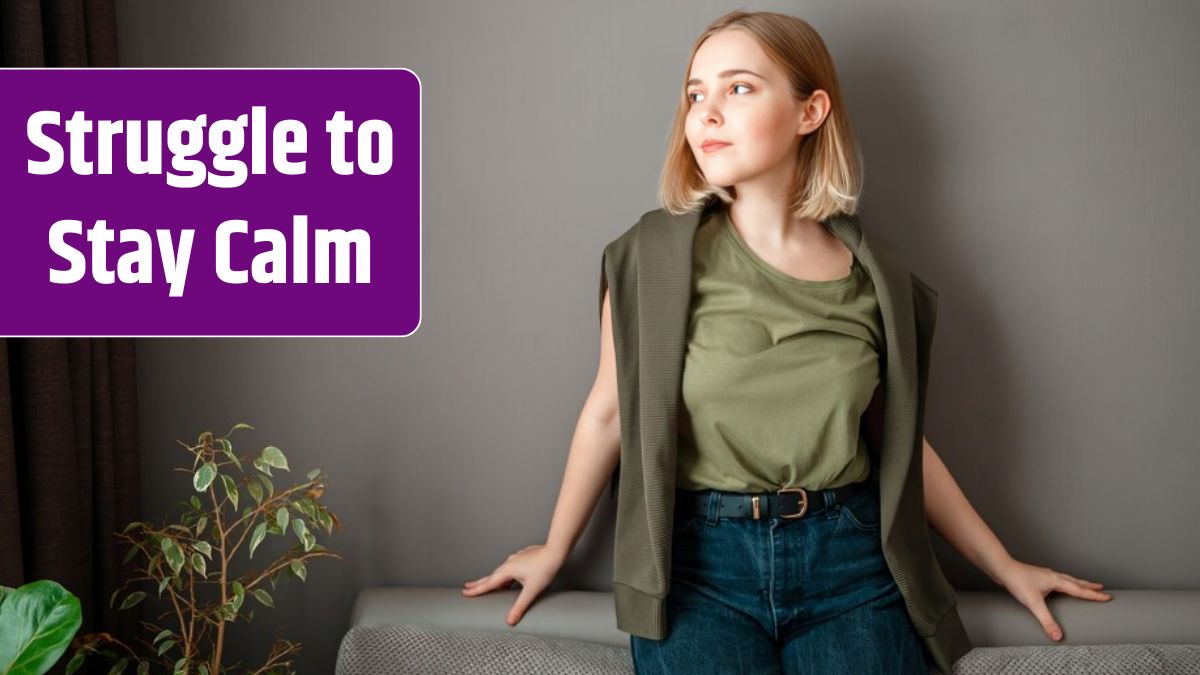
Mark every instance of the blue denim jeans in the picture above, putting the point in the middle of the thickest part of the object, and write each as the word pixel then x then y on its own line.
pixel 776 595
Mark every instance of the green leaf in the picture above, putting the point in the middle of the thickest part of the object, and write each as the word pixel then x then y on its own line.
pixel 201 524
pixel 239 595
pixel 299 569
pixel 143 668
pixel 173 553
pixel 240 425
pixel 256 538
pixel 267 484
pixel 227 448
pixel 204 547
pixel 131 526
pixel 300 528
pixel 166 633
pixel 264 597
pixel 162 585
pixel 204 477
pixel 133 599
pixel 231 490
pixel 313 474
pixel 165 646
pixel 76 661
pixel 273 456
pixel 309 541
pixel 198 564
pixel 119 667
pixel 203 669
pixel 181 666
pixel 195 502
pixel 262 466
pixel 255 491
pixel 281 517
pixel 37 622
pixel 132 552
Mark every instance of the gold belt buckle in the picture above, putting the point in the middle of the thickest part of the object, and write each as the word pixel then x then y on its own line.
pixel 803 501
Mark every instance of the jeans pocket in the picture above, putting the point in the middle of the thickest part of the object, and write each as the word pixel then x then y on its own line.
pixel 862 511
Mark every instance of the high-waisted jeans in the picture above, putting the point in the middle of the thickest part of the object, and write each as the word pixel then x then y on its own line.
pixel 807 595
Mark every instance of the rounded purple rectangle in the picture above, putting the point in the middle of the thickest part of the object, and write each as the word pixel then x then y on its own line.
pixel 332 248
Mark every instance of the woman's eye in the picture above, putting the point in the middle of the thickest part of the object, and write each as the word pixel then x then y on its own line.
pixel 733 88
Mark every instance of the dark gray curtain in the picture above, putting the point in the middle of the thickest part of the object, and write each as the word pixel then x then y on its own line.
pixel 71 33
pixel 69 472
pixel 69 469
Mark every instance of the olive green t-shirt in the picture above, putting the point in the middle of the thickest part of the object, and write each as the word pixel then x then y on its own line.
pixel 777 374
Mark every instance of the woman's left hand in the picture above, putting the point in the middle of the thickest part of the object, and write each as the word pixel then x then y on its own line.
pixel 1030 584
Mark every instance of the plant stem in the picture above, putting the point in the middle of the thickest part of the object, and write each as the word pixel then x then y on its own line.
pixel 215 669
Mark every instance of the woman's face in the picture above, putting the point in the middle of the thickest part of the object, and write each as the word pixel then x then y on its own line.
pixel 738 96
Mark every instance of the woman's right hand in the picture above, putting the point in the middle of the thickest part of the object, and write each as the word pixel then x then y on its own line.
pixel 534 567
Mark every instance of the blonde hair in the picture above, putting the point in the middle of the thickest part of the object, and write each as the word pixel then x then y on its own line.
pixel 829 175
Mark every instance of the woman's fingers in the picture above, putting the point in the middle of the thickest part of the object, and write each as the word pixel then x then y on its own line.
pixel 528 593
pixel 1088 590
pixel 1092 584
pixel 1080 591
pixel 490 582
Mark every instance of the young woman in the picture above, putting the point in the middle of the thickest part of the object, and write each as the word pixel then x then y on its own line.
pixel 788 516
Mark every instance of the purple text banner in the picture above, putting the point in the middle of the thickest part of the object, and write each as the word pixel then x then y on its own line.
pixel 210 202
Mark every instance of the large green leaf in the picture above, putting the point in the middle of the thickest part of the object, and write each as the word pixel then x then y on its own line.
pixel 273 456
pixel 231 490
pixel 239 595
pixel 255 491
pixel 173 553
pixel 204 476
pixel 37 622
pixel 257 536
pixel 263 597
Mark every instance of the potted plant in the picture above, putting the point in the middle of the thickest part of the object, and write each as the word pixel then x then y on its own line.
pixel 190 564
pixel 37 622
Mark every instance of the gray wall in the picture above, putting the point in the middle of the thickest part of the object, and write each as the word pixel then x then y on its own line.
pixel 1035 162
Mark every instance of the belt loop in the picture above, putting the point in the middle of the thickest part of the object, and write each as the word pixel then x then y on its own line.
pixel 830 498
pixel 714 507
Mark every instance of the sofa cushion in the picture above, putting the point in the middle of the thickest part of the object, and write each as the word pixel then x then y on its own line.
pixel 393 649
pixel 396 649
pixel 1118 659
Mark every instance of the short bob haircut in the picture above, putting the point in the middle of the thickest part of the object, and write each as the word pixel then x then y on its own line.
pixel 828 177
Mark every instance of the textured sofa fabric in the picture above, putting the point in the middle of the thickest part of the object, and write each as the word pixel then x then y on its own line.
pixel 437 630
pixel 407 648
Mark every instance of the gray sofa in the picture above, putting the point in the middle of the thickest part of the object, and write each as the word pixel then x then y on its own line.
pixel 438 630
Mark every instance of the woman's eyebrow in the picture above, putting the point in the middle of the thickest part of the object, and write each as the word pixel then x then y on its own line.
pixel 727 73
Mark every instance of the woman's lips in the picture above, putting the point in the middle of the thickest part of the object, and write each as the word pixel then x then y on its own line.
pixel 713 147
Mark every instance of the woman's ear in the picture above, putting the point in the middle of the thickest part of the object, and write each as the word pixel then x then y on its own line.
pixel 813 111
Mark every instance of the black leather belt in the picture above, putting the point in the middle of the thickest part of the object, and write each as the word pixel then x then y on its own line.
pixel 785 503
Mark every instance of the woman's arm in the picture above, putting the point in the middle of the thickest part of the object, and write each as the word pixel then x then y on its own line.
pixel 595 448
pixel 594 452
pixel 949 512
